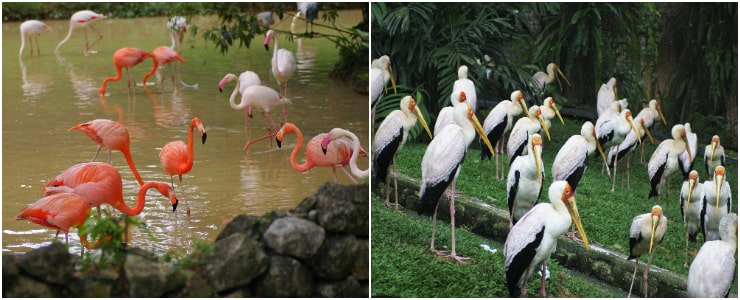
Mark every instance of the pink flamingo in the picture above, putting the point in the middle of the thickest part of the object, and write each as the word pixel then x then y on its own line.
pixel 258 96
pixel 101 183
pixel 338 155
pixel 59 211
pixel 128 58
pixel 343 138
pixel 246 79
pixel 177 158
pixel 164 55
pixel 33 29
pixel 283 64
pixel 83 19
pixel 111 135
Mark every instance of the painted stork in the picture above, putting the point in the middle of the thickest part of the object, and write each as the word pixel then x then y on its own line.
pixel 650 114
pixel 389 139
pixel 664 161
pixel 686 161
pixel 534 238
pixel 380 73
pixel 440 167
pixel 716 203
pixel 466 85
pixel 499 122
pixel 446 114
pixel 611 129
pixel 572 158
pixel 647 230
pixel 606 95
pixel 540 80
pixel 691 208
pixel 550 110
pixel 713 269
pixel 626 147
pixel 526 126
pixel 714 155
pixel 524 185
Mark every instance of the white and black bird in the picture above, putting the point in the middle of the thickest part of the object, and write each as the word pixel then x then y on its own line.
pixel 716 203
pixel 646 232
pixel 389 139
pixel 540 80
pixel 466 85
pixel 612 128
pixel 685 160
pixel 265 19
pixel 625 149
pixel 311 12
pixel 499 122
pixel 713 269
pixel 550 110
pixel 525 127
pixel 446 114
pixel 524 185
pixel 664 161
pixel 691 205
pixel 572 159
pixel 650 114
pixel 441 164
pixel 533 239
pixel 380 73
pixel 714 155
pixel 606 95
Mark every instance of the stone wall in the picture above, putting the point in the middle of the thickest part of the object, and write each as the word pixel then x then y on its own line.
pixel 320 249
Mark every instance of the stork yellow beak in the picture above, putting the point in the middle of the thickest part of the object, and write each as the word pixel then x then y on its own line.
pixel 544 127
pixel 565 78
pixel 479 129
pixel 422 121
pixel 660 113
pixel 652 232
pixel 719 180
pixel 573 210
pixel 647 132
pixel 522 103
pixel 557 112
pixel 692 183
pixel 538 160
pixel 714 147
pixel 616 93
pixel 393 82
pixel 632 124
pixel 688 149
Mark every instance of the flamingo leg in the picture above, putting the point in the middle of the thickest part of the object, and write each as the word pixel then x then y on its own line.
pixel 100 37
pixel 249 143
pixel 269 129
pixel 96 153
pixel 343 168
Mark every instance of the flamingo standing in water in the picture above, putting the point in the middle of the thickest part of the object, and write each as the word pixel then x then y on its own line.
pixel 177 158
pixel 246 79
pixel 33 29
pixel 59 211
pixel 128 58
pixel 339 135
pixel 111 135
pixel 254 95
pixel 83 19
pixel 164 55
pixel 337 155
pixel 101 183
pixel 283 64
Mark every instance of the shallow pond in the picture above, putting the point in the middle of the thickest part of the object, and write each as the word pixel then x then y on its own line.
pixel 44 96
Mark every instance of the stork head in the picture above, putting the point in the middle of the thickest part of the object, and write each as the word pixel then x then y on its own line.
pixel 693 179
pixel 588 129
pixel 552 67
pixel 536 113
pixel 655 105
pixel 518 98
pixel 462 72
pixel 655 216
pixel 568 197
pixel 715 143
pixel 627 115
pixel 551 104
pixel 536 151
pixel 409 103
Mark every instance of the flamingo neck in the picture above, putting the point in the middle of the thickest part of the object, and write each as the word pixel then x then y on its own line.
pixel 130 162
pixel 69 34
pixel 140 199
pixel 353 159
pixel 190 144
pixel 275 53
pixel 105 81
pixel 297 149
pixel 154 67
pixel 23 43
pixel 232 99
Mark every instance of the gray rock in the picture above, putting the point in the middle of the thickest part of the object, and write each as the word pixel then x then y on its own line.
pixel 294 236
pixel 286 277
pixel 335 259
pixel 97 284
pixel 361 266
pixel 10 272
pixel 344 209
pixel 252 226
pixel 148 278
pixel 26 287
pixel 236 260
pixel 52 264
pixel 347 288
pixel 195 287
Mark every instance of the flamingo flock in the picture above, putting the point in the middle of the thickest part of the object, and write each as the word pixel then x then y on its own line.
pixel 69 197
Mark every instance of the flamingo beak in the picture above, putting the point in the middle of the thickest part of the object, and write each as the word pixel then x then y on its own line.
pixel 542 122
pixel 174 201
pixel 422 121
pixel 573 210
pixel 557 112
pixel 325 143
pixel 479 129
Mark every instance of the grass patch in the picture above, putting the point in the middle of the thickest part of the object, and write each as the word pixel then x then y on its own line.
pixel 606 217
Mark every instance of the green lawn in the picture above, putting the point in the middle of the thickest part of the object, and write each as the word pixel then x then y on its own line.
pixel 606 218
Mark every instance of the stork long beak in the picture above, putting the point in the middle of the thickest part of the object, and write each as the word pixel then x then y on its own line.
pixel 692 183
pixel 601 151
pixel 688 149
pixel 660 113
pixel 542 122
pixel 632 124
pixel 573 210
pixel 714 147
pixel 565 78
pixel 719 180
pixel 523 104
pixel 616 93
pixel 479 129
pixel 647 132
pixel 422 121
pixel 652 231
pixel 538 161
pixel 557 112
pixel 393 82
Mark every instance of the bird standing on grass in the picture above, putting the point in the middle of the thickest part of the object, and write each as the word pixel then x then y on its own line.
pixel 691 204
pixel 646 232
pixel 713 269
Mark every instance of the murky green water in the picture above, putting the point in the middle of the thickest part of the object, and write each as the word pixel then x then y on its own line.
pixel 44 96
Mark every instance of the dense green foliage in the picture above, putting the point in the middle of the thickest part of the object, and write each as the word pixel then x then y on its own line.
pixel 606 215
pixel 21 11
pixel 684 55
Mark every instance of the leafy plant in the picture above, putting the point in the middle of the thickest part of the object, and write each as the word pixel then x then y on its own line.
pixel 192 261
pixel 108 234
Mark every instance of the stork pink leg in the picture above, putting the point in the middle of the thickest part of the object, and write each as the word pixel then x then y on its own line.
pixel 454 255
pixel 434 224
pixel 543 293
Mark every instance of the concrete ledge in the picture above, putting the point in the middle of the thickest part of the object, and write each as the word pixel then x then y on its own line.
pixel 605 265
